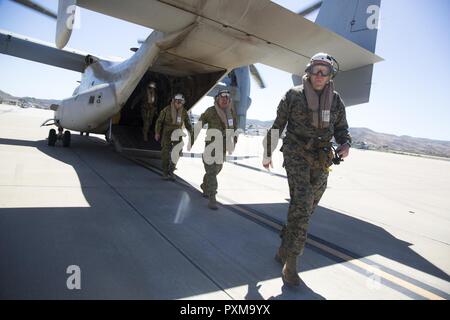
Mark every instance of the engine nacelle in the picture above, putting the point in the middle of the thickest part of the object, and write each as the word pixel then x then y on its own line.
pixel 88 110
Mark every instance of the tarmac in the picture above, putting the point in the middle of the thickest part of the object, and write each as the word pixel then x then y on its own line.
pixel 381 231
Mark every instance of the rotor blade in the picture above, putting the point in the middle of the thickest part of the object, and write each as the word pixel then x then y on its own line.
pixel 257 76
pixel 310 9
pixel 37 7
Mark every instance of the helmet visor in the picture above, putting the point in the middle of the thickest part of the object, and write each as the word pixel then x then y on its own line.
pixel 223 93
pixel 323 69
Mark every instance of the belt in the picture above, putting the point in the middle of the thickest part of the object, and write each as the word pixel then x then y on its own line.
pixel 313 143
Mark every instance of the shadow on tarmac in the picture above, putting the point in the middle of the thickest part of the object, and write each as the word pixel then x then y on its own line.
pixel 37 243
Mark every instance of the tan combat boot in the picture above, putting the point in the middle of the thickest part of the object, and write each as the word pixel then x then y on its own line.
pixel 212 204
pixel 289 272
pixel 281 255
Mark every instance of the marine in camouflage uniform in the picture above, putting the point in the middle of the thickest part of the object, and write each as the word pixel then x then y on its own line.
pixel 313 117
pixel 148 109
pixel 221 117
pixel 171 118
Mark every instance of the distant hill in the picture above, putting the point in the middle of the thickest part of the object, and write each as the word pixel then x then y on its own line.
pixel 364 138
pixel 5 96
pixel 27 101
pixel 368 139
pixel 259 123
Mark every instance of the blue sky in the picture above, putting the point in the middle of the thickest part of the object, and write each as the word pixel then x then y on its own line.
pixel 409 94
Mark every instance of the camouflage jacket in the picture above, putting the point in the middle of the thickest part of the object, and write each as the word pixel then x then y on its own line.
pixel 164 122
pixel 212 119
pixel 293 111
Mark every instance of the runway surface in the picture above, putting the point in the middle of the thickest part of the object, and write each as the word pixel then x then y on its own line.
pixel 382 230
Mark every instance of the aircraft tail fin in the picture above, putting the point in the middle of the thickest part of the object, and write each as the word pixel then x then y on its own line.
pixel 357 21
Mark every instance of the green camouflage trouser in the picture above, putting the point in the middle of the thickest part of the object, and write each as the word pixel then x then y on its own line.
pixel 306 187
pixel 147 113
pixel 167 145
pixel 209 185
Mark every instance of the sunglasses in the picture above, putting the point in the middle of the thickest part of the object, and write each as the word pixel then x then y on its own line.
pixel 224 95
pixel 179 101
pixel 325 71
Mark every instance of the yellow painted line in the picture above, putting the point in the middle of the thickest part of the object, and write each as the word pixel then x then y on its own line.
pixel 400 282
pixel 360 264
pixel 370 269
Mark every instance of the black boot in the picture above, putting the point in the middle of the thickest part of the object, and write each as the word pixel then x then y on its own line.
pixel 212 204
pixel 165 176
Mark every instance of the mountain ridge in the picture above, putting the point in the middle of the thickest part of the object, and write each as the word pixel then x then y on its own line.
pixel 363 138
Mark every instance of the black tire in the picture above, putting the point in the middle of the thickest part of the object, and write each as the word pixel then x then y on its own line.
pixel 52 137
pixel 66 139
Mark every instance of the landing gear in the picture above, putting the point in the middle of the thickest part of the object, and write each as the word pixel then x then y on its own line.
pixel 66 139
pixel 53 137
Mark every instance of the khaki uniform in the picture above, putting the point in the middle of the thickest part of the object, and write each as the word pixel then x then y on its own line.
pixel 148 109
pixel 307 157
pixel 212 119
pixel 165 124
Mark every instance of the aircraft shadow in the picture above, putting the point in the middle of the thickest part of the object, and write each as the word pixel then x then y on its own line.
pixel 229 256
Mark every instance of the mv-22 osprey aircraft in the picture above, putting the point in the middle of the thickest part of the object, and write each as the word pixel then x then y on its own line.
pixel 196 44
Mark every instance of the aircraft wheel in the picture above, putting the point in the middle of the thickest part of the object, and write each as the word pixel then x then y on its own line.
pixel 52 137
pixel 66 139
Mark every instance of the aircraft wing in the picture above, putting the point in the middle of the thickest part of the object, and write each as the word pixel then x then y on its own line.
pixel 39 51
pixel 233 33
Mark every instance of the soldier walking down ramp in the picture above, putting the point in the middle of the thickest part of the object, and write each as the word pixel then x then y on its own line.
pixel 171 118
pixel 148 109
pixel 221 119
pixel 314 113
